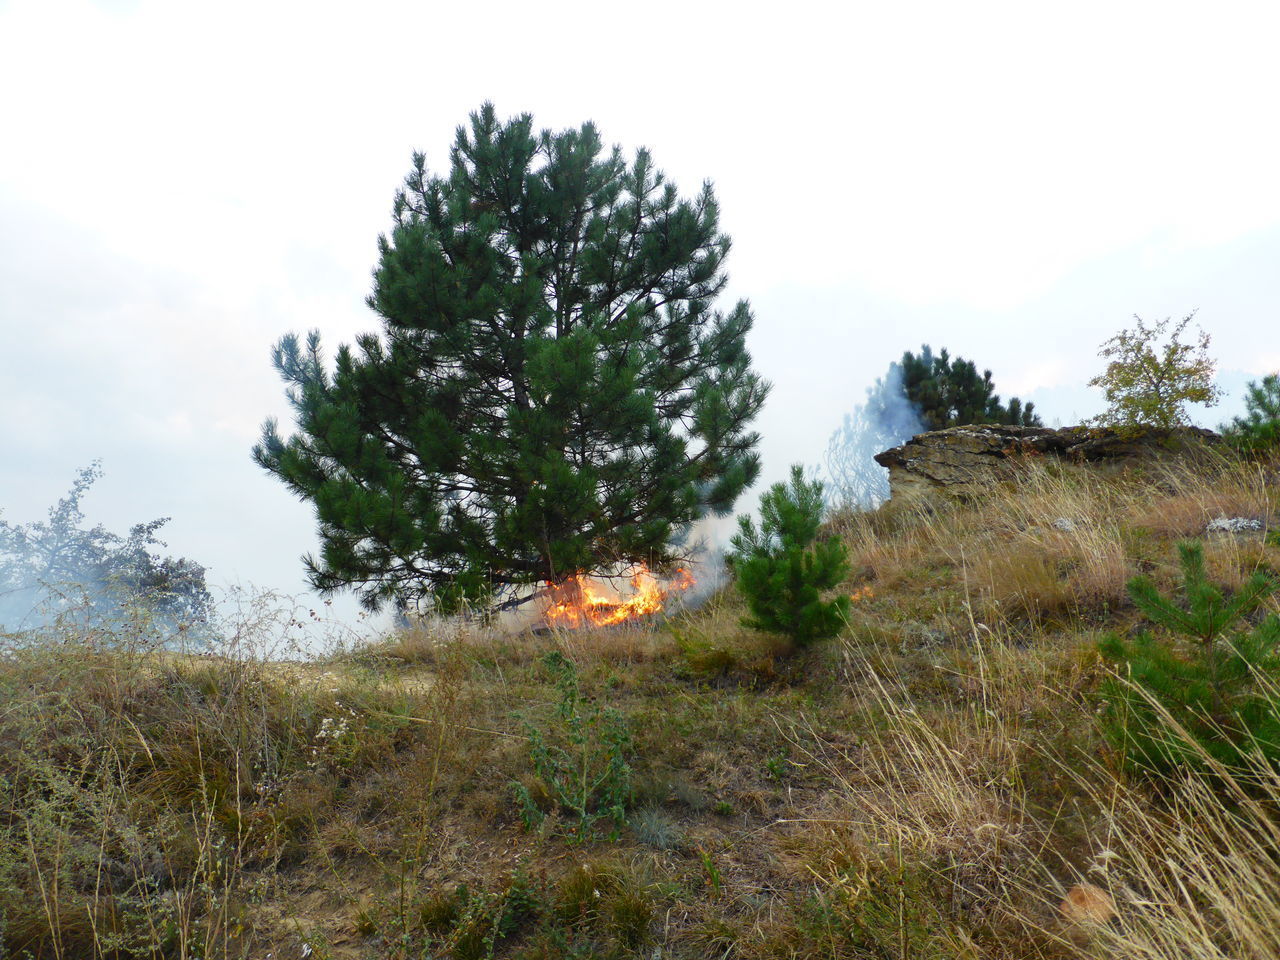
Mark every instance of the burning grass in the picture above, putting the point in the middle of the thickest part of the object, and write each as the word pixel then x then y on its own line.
pixel 597 601
pixel 931 784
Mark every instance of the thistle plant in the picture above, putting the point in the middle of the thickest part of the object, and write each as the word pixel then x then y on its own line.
pixel 579 759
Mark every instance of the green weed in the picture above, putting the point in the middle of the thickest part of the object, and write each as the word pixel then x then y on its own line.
pixel 580 759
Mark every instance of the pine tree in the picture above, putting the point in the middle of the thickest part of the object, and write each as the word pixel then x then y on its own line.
pixel 950 392
pixel 552 390
pixel 1219 690
pixel 920 393
pixel 782 567
pixel 1258 431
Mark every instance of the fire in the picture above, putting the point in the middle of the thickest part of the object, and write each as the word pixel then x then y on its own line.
pixel 862 593
pixel 585 601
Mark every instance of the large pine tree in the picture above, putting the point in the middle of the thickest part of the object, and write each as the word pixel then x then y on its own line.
pixel 552 390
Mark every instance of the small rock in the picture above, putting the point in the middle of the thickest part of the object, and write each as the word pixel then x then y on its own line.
pixel 1233 525
pixel 1086 903
pixel 1065 524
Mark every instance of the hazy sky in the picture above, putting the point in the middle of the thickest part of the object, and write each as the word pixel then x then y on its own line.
pixel 182 183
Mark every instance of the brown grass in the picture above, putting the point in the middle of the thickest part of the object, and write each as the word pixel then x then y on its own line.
pixel 929 785
pixel 1060 543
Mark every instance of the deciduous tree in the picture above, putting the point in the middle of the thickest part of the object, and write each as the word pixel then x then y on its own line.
pixel 51 568
pixel 1152 374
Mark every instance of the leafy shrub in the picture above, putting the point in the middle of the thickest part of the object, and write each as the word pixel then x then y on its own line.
pixel 1209 701
pixel 579 760
pixel 1259 429
pixel 1148 383
pixel 782 567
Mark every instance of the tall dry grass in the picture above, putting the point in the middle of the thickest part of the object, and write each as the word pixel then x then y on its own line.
pixel 1059 542
pixel 150 798
pixel 964 791
pixel 928 838
pixel 1192 866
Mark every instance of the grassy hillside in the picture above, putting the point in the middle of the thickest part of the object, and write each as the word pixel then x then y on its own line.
pixel 930 784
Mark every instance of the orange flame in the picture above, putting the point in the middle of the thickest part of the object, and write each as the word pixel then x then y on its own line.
pixel 585 601
pixel 862 593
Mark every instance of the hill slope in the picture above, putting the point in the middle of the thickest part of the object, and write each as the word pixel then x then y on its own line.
pixel 931 784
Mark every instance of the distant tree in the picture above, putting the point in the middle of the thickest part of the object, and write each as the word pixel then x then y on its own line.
pixel 950 392
pixel 783 567
pixel 1152 375
pixel 552 391
pixel 1258 431
pixel 48 568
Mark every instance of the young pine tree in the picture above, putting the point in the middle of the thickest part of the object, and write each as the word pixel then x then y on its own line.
pixel 1258 431
pixel 782 567
pixel 1216 678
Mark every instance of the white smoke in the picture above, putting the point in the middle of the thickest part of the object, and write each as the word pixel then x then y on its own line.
pixel 885 420
pixel 58 573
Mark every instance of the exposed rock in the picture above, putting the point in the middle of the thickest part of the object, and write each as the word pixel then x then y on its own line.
pixel 964 461
pixel 1234 525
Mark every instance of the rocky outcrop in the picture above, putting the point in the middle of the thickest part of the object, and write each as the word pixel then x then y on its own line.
pixel 965 461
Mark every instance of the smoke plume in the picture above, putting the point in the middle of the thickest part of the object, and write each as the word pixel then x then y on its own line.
pixel 886 419
pixel 57 573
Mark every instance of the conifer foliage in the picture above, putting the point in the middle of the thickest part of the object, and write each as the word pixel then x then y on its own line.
pixel 923 392
pixel 552 389
pixel 782 567
pixel 1258 431
pixel 1211 689
pixel 949 392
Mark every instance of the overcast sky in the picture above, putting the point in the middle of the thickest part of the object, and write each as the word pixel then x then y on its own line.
pixel 181 183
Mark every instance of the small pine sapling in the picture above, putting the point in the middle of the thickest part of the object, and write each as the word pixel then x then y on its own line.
pixel 783 567
pixel 1211 700
pixel 1258 431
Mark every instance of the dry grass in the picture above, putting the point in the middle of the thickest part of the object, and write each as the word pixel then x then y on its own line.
pixel 1193 873
pixel 1191 867
pixel 929 785
pixel 1060 543
pixel 927 838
